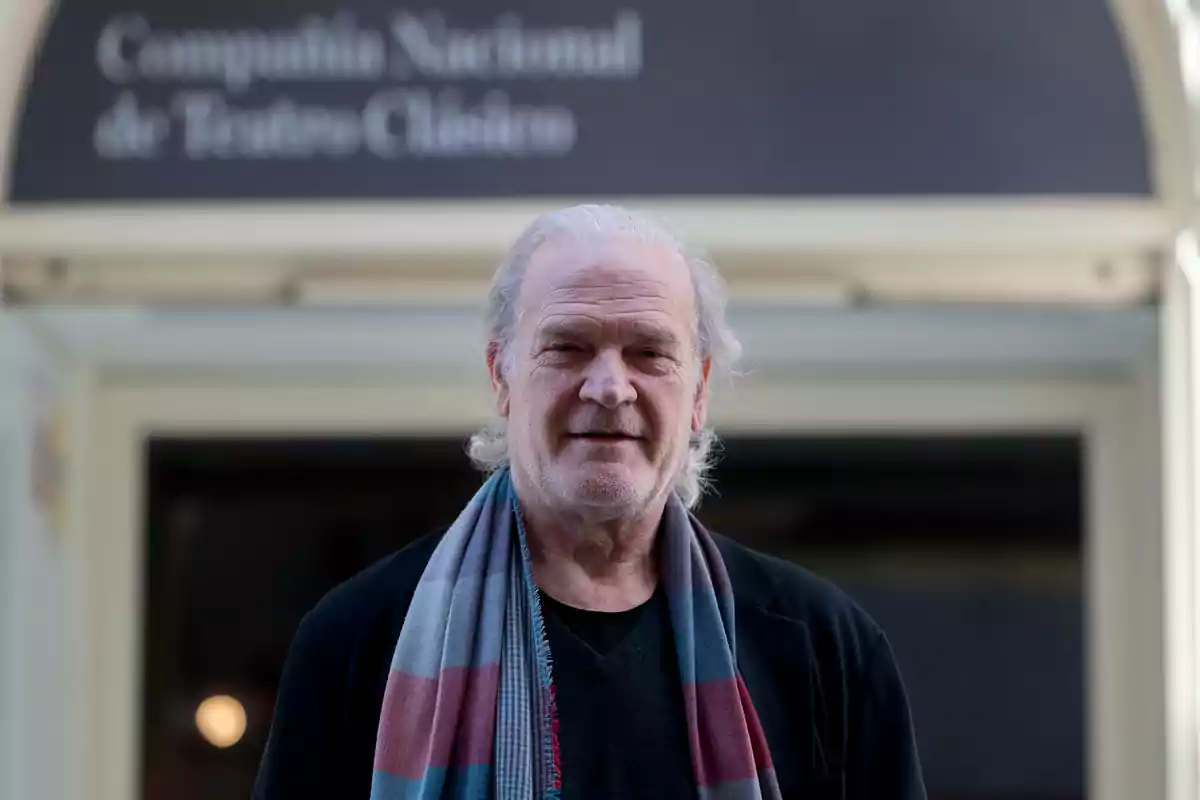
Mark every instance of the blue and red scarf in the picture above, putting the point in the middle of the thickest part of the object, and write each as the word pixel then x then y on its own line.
pixel 469 707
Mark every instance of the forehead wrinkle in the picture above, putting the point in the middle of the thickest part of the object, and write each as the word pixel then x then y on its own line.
pixel 644 326
pixel 627 290
pixel 564 322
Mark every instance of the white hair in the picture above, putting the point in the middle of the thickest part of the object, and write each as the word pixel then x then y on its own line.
pixel 488 448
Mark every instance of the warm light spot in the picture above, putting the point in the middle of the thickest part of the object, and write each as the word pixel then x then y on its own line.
pixel 221 720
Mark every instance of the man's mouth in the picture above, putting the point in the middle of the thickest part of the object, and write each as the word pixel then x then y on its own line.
pixel 604 436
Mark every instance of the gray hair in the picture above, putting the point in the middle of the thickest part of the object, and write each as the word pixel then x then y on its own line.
pixel 488 447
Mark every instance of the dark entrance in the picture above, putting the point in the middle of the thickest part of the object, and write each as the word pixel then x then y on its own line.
pixel 966 549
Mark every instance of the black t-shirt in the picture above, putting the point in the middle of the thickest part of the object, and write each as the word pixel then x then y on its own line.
pixel 622 725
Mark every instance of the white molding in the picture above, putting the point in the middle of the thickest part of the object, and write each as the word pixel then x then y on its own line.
pixel 1123 563
pixel 470 229
pixel 448 341
pixel 39 579
pixel 13 776
pixel 412 280
pixel 1153 49
pixel 1179 598
pixel 22 24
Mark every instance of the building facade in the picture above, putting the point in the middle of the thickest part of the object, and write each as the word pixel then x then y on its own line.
pixel 278 220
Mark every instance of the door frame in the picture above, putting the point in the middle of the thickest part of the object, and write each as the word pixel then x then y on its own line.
pixel 1116 414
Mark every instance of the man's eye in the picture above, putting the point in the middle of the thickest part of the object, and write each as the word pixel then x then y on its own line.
pixel 564 347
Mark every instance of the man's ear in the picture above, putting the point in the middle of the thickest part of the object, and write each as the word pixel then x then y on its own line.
pixel 495 365
pixel 700 404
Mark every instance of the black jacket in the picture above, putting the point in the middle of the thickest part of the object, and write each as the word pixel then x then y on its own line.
pixel 820 672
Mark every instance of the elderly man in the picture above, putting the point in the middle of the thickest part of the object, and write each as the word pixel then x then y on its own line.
pixel 576 632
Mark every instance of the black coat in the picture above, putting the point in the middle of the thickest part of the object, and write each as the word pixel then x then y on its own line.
pixel 819 670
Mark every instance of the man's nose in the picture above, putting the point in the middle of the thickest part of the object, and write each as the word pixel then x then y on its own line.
pixel 607 381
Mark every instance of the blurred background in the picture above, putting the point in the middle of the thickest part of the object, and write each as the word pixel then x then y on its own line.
pixel 245 249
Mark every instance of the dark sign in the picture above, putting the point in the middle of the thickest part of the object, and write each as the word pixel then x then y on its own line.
pixel 279 99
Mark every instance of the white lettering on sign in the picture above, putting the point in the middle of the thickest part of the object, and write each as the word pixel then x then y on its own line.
pixel 418 123
pixel 212 129
pixel 394 124
pixel 428 46
pixel 212 74
pixel 126 131
pixel 318 49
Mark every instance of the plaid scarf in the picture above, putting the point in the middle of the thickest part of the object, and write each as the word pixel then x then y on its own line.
pixel 469 710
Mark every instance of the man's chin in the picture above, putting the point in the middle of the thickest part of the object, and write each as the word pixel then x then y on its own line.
pixel 611 492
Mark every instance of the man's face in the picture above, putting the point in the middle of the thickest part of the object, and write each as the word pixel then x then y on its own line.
pixel 602 386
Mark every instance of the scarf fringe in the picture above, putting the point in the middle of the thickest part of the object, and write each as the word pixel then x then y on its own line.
pixel 551 752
